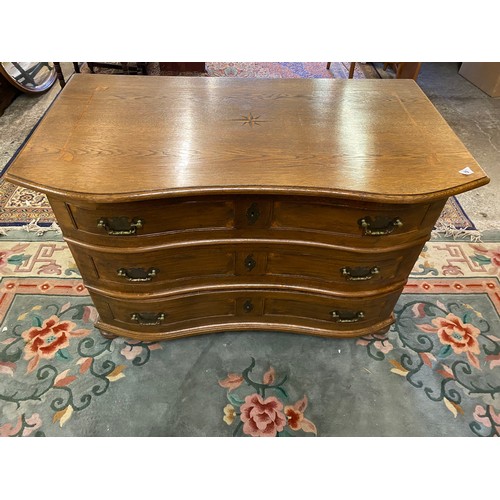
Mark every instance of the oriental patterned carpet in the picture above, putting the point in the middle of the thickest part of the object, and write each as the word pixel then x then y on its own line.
pixel 436 372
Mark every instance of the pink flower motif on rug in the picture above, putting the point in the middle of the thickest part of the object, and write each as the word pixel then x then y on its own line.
pixel 23 426
pixel 462 338
pixel 488 418
pixel 262 417
pixel 377 341
pixel 453 333
pixel 47 339
pixel 138 351
pixel 296 419
pixel 51 360
pixel 232 381
pixel 448 348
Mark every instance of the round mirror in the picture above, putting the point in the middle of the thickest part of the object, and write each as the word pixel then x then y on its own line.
pixel 29 77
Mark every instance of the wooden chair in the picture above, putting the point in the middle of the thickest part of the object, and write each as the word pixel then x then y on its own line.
pixel 125 67
pixel 351 68
pixel 402 69
pixel 60 75
pixel 408 70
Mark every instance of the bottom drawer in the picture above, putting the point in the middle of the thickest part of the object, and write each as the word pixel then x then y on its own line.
pixel 193 314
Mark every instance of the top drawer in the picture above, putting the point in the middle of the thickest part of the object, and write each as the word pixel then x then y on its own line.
pixel 152 217
pixel 307 218
pixel 353 219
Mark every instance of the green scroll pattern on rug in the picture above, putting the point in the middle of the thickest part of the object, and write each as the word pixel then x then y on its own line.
pixel 445 340
pixel 58 362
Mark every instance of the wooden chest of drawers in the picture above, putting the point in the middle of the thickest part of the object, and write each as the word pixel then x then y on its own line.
pixel 197 205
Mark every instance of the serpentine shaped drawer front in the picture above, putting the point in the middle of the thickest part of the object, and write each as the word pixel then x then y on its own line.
pixel 163 315
pixel 122 270
pixel 341 269
pixel 280 217
pixel 129 220
pixel 354 219
pixel 225 264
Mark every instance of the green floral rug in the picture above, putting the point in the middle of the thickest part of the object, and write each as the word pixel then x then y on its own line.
pixel 436 372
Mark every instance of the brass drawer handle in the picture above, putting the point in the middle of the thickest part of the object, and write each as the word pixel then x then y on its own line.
pixel 148 319
pixel 253 213
pixel 366 224
pixel 339 317
pixel 250 262
pixel 137 275
pixel 359 273
pixel 110 226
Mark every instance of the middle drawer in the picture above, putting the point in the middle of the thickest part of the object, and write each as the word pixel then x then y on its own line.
pixel 306 266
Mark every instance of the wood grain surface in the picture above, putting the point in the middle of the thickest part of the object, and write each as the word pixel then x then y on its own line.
pixel 122 138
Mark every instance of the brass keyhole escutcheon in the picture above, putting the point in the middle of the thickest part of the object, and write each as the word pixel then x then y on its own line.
pixel 248 306
pixel 250 262
pixel 253 213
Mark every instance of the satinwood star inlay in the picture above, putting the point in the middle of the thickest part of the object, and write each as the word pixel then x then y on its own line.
pixel 250 120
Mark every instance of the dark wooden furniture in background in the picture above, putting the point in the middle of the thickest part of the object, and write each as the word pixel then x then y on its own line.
pixel 172 68
pixel 197 205
pixel 7 94
pixel 351 68
pixel 125 67
pixel 60 74
pixel 402 70
pixel 182 67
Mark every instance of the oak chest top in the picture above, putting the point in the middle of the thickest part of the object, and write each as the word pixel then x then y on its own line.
pixel 110 138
